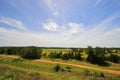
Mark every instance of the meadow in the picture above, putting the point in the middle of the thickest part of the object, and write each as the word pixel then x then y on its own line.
pixel 13 67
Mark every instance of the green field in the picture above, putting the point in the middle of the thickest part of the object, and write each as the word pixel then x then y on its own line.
pixel 22 69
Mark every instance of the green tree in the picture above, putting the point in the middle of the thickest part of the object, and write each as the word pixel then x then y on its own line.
pixel 10 50
pixel 2 50
pixel 31 53
pixel 71 54
pixel 78 56
pixel 96 56
pixel 91 54
pixel 100 55
pixel 58 55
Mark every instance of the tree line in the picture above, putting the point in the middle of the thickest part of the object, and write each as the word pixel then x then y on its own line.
pixel 30 52
pixel 95 55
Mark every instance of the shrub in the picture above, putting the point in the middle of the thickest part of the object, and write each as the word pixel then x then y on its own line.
pixel 65 57
pixel 57 67
pixel 99 75
pixel 114 58
pixel 95 74
pixel 62 69
pixel 102 74
pixel 67 67
pixel 52 55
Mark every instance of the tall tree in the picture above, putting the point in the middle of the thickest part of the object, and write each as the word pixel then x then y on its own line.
pixel 31 53
pixel 96 56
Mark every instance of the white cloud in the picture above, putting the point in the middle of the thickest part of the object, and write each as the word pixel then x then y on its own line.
pixel 50 26
pixel 64 35
pixel 75 28
pixel 13 23
pixel 69 28
pixel 18 38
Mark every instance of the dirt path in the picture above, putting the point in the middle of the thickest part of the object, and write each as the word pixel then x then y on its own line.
pixel 81 66
pixel 76 65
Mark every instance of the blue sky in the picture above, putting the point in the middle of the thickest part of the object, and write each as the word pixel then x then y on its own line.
pixel 60 23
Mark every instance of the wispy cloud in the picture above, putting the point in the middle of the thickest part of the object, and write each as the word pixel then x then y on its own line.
pixel 97 2
pixel 102 34
pixel 29 38
pixel 13 23
pixel 71 24
pixel 18 38
pixel 92 37
pixel 51 4
pixel 106 23
pixel 70 34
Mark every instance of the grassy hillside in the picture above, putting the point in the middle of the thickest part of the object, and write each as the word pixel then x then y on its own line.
pixel 22 69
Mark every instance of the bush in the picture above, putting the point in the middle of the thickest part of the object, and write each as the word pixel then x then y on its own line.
pixel 102 74
pixel 65 57
pixel 99 75
pixel 68 67
pixel 57 67
pixel 31 53
pixel 52 55
pixel 114 58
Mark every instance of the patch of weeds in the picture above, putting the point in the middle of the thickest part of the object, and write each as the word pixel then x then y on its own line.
pixel 17 60
pixel 87 72
pixel 62 69
pixel 68 68
pixel 9 76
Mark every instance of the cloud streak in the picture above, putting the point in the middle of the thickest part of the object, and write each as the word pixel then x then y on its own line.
pixel 102 34
pixel 97 2
pixel 70 35
pixel 13 23
pixel 19 38
pixel 51 4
